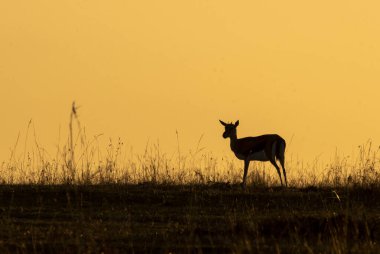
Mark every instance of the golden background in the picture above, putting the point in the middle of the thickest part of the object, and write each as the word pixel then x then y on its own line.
pixel 140 70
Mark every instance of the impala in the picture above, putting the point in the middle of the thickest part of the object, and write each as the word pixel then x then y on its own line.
pixel 270 147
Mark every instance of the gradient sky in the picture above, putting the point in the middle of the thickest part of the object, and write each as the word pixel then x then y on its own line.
pixel 140 70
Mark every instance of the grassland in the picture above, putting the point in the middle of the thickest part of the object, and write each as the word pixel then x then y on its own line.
pixel 83 199
pixel 206 218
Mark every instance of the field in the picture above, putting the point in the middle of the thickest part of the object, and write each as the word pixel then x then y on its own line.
pixel 83 199
pixel 190 218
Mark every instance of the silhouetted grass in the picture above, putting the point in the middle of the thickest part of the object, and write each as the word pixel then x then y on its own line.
pixel 82 199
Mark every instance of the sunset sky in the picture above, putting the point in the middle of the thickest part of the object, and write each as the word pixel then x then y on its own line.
pixel 140 70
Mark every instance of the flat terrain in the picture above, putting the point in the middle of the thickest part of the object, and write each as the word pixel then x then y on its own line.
pixel 215 218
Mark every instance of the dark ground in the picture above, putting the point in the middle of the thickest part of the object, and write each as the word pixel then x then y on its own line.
pixel 214 218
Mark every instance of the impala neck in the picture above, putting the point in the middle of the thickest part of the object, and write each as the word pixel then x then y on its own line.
pixel 233 138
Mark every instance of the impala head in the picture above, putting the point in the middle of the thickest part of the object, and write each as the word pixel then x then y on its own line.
pixel 229 129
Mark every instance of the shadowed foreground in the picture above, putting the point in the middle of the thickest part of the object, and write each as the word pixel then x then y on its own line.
pixel 188 218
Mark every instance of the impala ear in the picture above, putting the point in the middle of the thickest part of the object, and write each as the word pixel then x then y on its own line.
pixel 237 123
pixel 223 123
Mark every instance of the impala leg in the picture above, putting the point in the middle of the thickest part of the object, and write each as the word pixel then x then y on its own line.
pixel 283 170
pixel 246 165
pixel 278 169
pixel 281 158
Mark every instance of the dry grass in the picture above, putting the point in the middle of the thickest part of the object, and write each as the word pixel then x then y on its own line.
pixel 81 160
pixel 88 201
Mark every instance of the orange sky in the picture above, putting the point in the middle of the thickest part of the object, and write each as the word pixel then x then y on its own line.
pixel 141 70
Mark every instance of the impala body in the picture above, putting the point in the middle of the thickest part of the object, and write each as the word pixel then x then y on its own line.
pixel 270 147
